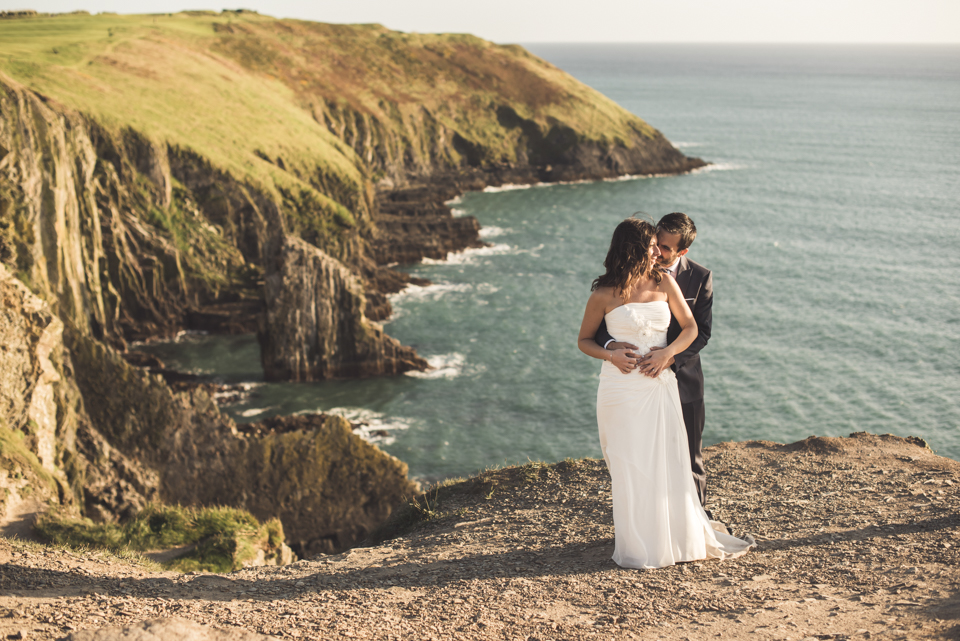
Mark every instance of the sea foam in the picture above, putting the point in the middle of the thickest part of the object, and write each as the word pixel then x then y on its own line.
pixel 373 427
pixel 493 231
pixel 720 166
pixel 469 255
pixel 443 366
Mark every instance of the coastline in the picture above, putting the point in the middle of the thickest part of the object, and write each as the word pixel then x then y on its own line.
pixel 857 539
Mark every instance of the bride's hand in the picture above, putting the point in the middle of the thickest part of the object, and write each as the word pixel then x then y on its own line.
pixel 624 358
pixel 655 362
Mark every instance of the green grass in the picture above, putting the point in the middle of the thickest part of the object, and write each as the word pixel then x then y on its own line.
pixel 157 75
pixel 243 89
pixel 19 462
pixel 223 538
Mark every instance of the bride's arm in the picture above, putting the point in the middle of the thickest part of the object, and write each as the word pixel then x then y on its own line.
pixel 659 359
pixel 597 305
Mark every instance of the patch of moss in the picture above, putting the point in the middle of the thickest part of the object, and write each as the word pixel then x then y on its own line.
pixel 223 538
pixel 19 462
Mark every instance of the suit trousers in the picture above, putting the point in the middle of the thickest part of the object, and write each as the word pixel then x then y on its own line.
pixel 693 419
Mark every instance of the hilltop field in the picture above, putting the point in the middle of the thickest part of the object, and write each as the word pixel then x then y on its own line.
pixel 857 539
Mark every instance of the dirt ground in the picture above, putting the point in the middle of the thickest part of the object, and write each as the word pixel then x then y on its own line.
pixel 857 539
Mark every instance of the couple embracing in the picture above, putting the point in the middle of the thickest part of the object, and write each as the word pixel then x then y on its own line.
pixel 647 318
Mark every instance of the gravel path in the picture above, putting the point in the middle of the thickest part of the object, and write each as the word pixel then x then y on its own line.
pixel 858 538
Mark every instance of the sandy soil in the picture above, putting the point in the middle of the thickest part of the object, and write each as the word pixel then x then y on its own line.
pixel 857 538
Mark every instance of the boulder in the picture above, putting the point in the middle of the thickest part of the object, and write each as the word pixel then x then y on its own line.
pixel 328 487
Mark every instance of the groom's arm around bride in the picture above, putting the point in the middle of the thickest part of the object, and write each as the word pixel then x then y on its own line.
pixel 675 233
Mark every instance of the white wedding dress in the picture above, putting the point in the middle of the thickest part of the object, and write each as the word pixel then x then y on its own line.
pixel 657 517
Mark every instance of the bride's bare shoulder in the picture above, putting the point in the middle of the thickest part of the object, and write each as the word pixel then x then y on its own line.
pixel 668 283
pixel 603 293
pixel 603 297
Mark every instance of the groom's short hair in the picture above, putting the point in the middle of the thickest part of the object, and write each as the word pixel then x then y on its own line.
pixel 677 223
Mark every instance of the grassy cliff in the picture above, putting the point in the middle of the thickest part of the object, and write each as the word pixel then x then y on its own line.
pixel 234 172
pixel 275 100
pixel 177 150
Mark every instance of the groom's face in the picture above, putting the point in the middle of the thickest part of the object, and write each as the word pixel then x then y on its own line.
pixel 668 248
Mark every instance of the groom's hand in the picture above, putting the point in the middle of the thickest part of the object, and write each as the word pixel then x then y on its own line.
pixel 624 358
pixel 655 362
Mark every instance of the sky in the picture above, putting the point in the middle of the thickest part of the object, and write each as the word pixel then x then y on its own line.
pixel 529 21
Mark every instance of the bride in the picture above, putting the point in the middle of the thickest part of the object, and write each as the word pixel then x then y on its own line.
pixel 658 519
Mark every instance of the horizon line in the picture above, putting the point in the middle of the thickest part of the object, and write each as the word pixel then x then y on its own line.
pixel 735 42
pixel 43 14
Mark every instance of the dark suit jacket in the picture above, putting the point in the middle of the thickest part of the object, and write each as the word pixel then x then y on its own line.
pixel 696 283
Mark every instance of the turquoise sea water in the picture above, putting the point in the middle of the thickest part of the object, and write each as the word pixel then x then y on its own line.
pixel 831 221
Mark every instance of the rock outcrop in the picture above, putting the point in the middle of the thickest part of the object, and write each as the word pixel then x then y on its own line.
pixel 30 336
pixel 82 429
pixel 328 487
pixel 314 323
pixel 331 487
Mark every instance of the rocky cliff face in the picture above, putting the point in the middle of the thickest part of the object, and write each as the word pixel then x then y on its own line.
pixel 346 137
pixel 232 172
pixel 29 337
pixel 134 441
pixel 112 248
pixel 314 327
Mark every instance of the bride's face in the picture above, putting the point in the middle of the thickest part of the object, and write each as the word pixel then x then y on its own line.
pixel 654 251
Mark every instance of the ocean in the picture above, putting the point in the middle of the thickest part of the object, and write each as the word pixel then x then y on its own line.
pixel 830 217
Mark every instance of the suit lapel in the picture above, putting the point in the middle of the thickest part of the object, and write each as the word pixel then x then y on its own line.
pixel 683 274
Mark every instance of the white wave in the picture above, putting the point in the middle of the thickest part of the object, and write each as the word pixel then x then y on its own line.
pixel 585 181
pixel 533 251
pixel 490 189
pixel 457 213
pixel 255 412
pixel 238 391
pixel 720 166
pixel 512 187
pixel 443 366
pixel 373 427
pixel 188 333
pixel 469 255
pixel 687 145
pixel 487 288
pixel 456 200
pixel 493 231
pixel 180 336
pixel 434 291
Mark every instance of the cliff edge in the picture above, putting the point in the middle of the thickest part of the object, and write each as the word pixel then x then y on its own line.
pixel 857 539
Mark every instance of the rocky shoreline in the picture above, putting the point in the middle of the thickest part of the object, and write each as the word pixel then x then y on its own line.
pixel 857 539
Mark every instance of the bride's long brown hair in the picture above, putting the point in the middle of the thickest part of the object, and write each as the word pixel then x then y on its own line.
pixel 628 259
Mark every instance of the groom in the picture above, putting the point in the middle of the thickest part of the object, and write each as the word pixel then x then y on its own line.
pixel 675 234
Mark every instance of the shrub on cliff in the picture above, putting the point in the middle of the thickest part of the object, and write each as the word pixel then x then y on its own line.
pixel 221 539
